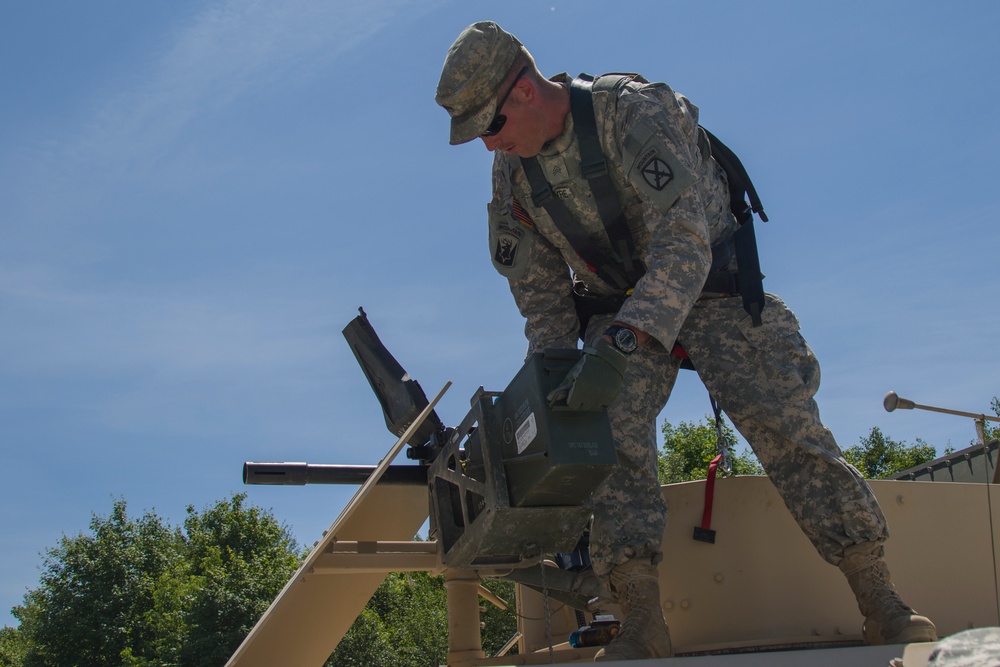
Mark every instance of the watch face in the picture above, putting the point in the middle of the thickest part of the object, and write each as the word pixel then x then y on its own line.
pixel 625 340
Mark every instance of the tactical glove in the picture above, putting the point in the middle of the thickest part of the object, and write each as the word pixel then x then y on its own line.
pixel 594 381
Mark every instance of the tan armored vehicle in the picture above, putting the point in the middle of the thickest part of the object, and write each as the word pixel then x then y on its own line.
pixel 504 492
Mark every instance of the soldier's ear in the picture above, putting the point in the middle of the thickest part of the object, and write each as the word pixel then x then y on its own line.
pixel 524 91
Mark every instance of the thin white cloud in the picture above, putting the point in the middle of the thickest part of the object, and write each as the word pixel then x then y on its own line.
pixel 54 327
pixel 184 358
pixel 229 50
pixel 142 119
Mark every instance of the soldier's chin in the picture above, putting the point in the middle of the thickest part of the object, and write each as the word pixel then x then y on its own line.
pixel 521 151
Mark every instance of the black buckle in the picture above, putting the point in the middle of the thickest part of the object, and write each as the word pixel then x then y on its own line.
pixel 539 197
pixel 594 169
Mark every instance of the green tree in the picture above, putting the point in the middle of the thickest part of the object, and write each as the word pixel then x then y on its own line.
pixel 97 592
pixel 991 430
pixel 238 558
pixel 879 457
pixel 689 448
pixel 367 643
pixel 499 625
pixel 11 647
pixel 405 624
pixel 139 593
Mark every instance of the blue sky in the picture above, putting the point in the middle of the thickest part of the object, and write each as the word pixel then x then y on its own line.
pixel 196 197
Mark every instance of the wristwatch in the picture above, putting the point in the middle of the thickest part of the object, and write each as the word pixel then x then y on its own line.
pixel 623 337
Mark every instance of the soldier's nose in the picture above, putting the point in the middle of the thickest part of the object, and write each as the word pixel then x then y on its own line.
pixel 491 143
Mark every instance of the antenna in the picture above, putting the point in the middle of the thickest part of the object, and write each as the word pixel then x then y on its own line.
pixel 893 401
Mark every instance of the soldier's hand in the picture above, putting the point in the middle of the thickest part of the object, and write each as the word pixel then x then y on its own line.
pixel 594 381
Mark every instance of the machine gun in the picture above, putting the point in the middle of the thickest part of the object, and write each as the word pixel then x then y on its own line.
pixel 506 490
pixel 507 487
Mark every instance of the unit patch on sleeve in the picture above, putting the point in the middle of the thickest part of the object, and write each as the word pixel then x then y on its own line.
pixel 510 240
pixel 506 250
pixel 656 172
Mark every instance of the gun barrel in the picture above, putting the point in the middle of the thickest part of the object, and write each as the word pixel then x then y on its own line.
pixel 299 474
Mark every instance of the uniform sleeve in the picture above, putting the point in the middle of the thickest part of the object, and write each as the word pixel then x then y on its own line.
pixel 658 130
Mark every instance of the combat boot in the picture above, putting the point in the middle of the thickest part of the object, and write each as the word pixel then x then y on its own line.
pixel 888 620
pixel 644 633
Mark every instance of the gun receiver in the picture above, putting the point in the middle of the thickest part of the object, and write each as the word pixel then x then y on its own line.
pixel 508 485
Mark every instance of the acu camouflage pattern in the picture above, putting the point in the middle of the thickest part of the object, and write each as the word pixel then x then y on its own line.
pixel 763 377
pixel 644 118
pixel 476 65
pixel 971 648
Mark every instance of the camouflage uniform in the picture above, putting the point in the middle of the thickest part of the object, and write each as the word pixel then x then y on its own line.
pixel 677 206
pixel 969 648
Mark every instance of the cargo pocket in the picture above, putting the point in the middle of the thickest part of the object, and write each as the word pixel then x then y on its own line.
pixel 778 323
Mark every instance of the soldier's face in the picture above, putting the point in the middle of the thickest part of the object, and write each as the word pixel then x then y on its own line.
pixel 520 135
pixel 521 132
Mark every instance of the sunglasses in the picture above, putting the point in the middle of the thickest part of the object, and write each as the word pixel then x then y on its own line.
pixel 499 120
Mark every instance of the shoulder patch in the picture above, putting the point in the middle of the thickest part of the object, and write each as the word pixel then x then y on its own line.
pixel 510 241
pixel 520 214
pixel 655 171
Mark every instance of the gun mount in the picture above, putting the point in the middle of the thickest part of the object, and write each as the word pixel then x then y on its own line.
pixel 499 502
pixel 507 486
pixel 506 492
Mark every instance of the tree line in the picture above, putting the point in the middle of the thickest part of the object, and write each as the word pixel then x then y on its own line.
pixel 134 591
pixel 138 592
pixel 689 447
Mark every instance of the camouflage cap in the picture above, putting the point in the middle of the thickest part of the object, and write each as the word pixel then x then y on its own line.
pixel 476 65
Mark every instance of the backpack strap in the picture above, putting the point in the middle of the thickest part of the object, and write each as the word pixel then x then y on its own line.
pixel 543 197
pixel 741 189
pixel 594 168
pixel 624 268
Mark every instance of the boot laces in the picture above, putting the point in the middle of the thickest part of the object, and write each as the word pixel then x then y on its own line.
pixel 880 599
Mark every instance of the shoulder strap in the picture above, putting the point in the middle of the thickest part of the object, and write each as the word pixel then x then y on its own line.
pixel 542 196
pixel 624 268
pixel 741 189
pixel 740 186
pixel 594 168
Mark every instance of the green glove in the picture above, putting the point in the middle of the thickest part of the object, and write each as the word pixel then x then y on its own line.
pixel 594 381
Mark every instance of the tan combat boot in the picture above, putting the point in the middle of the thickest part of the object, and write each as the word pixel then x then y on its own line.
pixel 643 631
pixel 888 620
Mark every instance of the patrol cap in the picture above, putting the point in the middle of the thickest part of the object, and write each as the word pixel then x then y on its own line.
pixel 476 65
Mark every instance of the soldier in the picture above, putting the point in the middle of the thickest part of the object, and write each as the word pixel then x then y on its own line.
pixel 646 283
